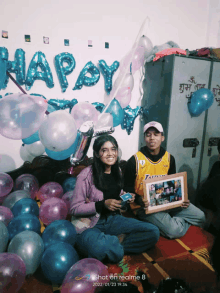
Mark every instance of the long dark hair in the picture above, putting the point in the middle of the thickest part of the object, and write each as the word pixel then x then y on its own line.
pixel 98 167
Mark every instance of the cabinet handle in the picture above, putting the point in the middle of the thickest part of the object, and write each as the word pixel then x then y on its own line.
pixel 191 143
pixel 213 141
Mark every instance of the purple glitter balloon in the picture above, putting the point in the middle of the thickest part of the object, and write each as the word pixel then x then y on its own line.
pixel 6 185
pixel 29 183
pixel 12 272
pixel 67 197
pixel 6 215
pixel 49 190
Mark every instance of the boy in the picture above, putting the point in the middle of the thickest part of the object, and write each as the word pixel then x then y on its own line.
pixel 153 160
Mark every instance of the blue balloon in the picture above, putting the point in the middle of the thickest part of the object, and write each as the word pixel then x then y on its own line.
pixel 108 72
pixel 57 260
pixel 31 139
pixel 60 230
pixel 25 206
pixel 62 104
pixel 99 106
pixel 63 155
pixel 62 70
pixel 69 184
pixel 45 74
pixel 117 112
pixel 200 101
pixel 85 80
pixel 22 223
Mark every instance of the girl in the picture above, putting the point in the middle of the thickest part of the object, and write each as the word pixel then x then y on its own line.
pixel 96 207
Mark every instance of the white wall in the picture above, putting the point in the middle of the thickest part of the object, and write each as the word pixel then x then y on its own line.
pixel 117 22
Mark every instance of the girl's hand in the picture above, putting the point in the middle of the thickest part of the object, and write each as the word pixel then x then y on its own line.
pixel 113 204
pixel 131 200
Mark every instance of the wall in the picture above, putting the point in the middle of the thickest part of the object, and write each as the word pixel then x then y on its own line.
pixel 116 22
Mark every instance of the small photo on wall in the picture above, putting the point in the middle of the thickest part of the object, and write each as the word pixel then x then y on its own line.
pixel 5 34
pixel 27 38
pixel 66 42
pixel 89 43
pixel 46 40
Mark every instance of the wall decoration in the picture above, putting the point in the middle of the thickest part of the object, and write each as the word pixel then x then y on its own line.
pixel 18 66
pixel 87 81
pixel 89 43
pixel 5 34
pixel 3 67
pixel 99 106
pixel 106 45
pixel 39 60
pixel 116 111
pixel 66 42
pixel 83 112
pixel 46 40
pixel 62 70
pixel 108 72
pixel 27 38
pixel 62 104
pixel 129 117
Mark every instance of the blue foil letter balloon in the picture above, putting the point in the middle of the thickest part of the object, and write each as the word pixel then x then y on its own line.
pixel 3 67
pixel 39 60
pixel 18 66
pixel 85 80
pixel 62 70
pixel 117 112
pixel 107 72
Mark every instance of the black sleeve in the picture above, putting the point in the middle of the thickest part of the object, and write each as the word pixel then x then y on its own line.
pixel 130 175
pixel 99 205
pixel 172 169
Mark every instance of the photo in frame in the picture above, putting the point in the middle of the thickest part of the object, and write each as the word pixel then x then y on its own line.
pixel 165 192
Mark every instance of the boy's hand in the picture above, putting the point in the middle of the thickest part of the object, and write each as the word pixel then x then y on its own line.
pixel 185 204
pixel 146 204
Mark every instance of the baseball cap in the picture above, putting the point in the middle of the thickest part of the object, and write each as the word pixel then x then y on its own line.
pixel 154 124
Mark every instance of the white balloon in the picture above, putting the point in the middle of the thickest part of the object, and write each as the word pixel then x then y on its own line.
pixel 25 155
pixel 35 149
pixel 147 44
pixel 58 131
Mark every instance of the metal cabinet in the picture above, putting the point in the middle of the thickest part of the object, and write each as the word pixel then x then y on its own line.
pixel 168 85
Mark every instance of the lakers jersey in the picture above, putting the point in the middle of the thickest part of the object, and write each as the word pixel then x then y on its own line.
pixel 147 169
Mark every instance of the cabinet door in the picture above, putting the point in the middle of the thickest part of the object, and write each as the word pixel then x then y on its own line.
pixel 212 134
pixel 189 75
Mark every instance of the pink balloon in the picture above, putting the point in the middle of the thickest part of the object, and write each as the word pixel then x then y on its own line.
pixel 21 115
pixel 83 112
pixel 29 183
pixel 137 60
pixel 83 274
pixel 6 215
pixel 124 96
pixel 49 190
pixel 53 209
pixel 67 198
pixel 12 272
pixel 6 184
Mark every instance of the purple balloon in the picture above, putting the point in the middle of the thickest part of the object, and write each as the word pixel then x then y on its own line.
pixel 82 275
pixel 53 209
pixel 29 183
pixel 6 185
pixel 67 198
pixel 49 190
pixel 12 272
pixel 6 215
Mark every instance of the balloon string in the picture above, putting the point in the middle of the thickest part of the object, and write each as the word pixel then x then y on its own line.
pixel 12 78
pixel 135 45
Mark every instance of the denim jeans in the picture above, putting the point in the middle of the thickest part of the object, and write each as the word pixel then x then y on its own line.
pixel 102 243
pixel 176 222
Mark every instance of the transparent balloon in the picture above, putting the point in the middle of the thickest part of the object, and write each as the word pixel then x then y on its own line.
pixel 12 272
pixel 124 96
pixel 49 190
pixel 67 198
pixel 146 43
pixel 53 209
pixel 58 131
pixel 104 120
pixel 21 115
pixel 6 215
pixel 28 183
pixel 4 237
pixel 6 184
pixel 83 112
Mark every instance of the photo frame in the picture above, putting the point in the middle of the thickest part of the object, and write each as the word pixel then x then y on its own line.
pixel 165 192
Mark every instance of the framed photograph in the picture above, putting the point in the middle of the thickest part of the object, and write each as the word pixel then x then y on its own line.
pixel 165 192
